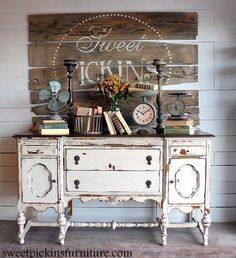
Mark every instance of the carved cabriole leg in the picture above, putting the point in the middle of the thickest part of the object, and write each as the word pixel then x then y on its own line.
pixel 21 220
pixel 163 228
pixel 206 222
pixel 69 208
pixel 62 223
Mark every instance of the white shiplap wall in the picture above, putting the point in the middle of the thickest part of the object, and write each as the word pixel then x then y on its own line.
pixel 217 85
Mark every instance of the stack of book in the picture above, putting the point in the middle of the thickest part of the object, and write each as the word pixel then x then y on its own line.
pixel 116 123
pixel 54 127
pixel 179 126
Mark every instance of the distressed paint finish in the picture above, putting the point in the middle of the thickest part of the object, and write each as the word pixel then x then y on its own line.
pixel 130 176
pixel 186 180
pixel 39 150
pixel 113 181
pixel 176 157
pixel 113 160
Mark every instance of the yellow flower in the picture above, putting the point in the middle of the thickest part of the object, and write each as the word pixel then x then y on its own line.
pixel 113 85
pixel 116 88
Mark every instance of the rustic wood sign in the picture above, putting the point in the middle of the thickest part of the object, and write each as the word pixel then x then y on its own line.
pixel 108 43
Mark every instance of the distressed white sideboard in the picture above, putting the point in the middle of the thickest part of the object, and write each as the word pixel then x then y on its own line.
pixel 172 170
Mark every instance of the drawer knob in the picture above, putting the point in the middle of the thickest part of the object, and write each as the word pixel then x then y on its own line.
pixel 77 182
pixel 149 159
pixel 148 183
pixel 54 181
pixel 171 182
pixel 76 158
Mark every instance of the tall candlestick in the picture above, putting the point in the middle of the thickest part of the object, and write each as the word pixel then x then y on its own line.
pixel 71 66
pixel 159 63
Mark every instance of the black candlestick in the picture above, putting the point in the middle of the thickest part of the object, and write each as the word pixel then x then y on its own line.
pixel 70 65
pixel 159 63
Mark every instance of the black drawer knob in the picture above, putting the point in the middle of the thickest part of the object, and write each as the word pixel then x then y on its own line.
pixel 77 182
pixel 171 182
pixel 148 183
pixel 76 158
pixel 149 159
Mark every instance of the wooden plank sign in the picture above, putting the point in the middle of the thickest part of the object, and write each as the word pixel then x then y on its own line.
pixel 130 25
pixel 110 43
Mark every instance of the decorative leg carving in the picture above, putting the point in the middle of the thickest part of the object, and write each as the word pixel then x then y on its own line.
pixel 193 215
pixel 163 228
pixel 206 222
pixel 62 223
pixel 21 220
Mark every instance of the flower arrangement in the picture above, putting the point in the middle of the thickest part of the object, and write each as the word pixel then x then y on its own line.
pixel 114 89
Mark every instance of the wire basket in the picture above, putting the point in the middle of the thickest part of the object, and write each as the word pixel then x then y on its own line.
pixel 89 125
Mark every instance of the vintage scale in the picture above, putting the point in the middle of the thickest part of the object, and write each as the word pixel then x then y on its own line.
pixel 176 108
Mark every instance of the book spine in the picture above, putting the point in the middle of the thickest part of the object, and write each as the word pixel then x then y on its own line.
pixel 109 122
pixel 179 131
pixel 179 122
pixel 54 131
pixel 146 86
pixel 89 122
pixel 123 122
pixel 55 126
pixel 47 122
pixel 178 127
pixel 117 124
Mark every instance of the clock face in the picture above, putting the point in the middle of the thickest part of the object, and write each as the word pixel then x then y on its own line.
pixel 176 108
pixel 144 114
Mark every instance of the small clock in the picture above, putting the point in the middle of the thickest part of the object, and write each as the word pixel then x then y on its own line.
pixel 144 114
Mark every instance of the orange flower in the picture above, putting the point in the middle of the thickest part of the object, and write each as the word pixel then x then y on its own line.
pixel 113 85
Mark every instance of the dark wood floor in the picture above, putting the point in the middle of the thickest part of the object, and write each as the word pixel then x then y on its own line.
pixel 142 242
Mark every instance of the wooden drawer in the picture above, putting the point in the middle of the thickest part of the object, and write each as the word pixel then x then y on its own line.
pixel 187 150
pixel 113 159
pixel 187 142
pixel 113 181
pixel 34 150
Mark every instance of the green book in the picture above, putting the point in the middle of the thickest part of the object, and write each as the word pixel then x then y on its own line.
pixel 55 126
pixel 178 127
pixel 179 131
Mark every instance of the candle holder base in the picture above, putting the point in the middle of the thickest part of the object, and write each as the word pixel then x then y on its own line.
pixel 159 130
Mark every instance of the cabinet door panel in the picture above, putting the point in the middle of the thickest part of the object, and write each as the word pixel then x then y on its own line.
pixel 39 180
pixel 187 181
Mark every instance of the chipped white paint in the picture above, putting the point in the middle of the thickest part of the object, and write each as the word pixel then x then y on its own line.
pixel 186 192
pixel 105 159
pixel 39 150
pixel 39 177
pixel 114 169
pixel 186 180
